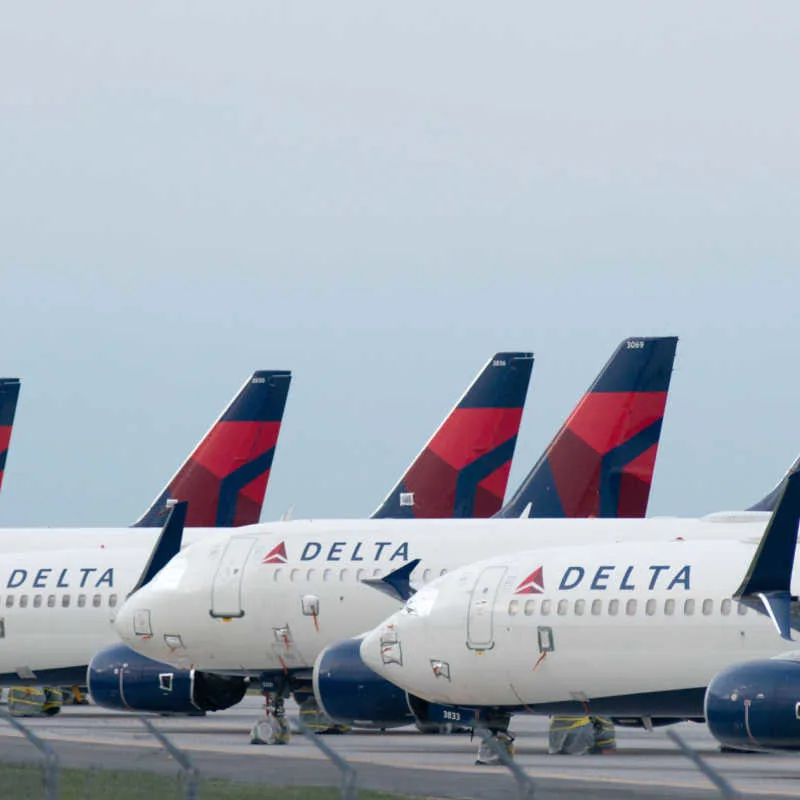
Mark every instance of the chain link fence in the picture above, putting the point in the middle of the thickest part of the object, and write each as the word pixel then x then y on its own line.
pixel 31 769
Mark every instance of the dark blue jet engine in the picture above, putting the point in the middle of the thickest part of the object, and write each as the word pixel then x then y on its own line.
pixel 348 691
pixel 756 706
pixel 120 678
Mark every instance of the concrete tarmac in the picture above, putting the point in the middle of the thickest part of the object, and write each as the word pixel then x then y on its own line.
pixel 646 765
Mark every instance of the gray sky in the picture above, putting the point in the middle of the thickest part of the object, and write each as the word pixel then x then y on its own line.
pixel 379 196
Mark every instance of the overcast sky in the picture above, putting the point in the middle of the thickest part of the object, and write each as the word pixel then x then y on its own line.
pixel 379 196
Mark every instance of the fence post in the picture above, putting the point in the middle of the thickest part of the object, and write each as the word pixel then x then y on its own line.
pixel 525 786
pixel 349 774
pixel 726 790
pixel 188 768
pixel 51 762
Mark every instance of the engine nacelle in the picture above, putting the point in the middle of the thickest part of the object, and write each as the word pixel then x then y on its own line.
pixel 756 705
pixel 349 692
pixel 120 678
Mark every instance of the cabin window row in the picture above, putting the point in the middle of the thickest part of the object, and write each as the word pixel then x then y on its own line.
pixel 329 574
pixel 615 607
pixel 65 601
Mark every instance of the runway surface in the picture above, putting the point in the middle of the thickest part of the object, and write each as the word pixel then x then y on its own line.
pixel 647 765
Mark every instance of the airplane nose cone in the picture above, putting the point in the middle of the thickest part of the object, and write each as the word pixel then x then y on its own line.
pixel 371 652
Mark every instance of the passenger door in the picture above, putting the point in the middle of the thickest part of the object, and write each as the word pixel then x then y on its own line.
pixel 226 590
pixel 480 617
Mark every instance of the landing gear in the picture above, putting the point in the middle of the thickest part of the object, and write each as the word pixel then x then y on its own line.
pixel 576 735
pixel 498 747
pixel 316 720
pixel 273 727
pixel 489 753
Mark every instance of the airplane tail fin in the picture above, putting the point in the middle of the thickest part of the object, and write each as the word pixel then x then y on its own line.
pixel 769 501
pixel 601 462
pixel 225 478
pixel 9 394
pixel 463 469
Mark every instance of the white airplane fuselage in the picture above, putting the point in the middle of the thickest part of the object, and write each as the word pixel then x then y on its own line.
pixel 266 600
pixel 558 625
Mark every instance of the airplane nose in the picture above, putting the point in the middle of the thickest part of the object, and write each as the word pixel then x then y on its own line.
pixel 381 649
pixel 370 651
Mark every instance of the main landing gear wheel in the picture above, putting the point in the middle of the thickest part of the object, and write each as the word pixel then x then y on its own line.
pixel 273 728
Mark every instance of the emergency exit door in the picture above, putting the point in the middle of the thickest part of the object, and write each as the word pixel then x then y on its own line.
pixel 226 591
pixel 480 617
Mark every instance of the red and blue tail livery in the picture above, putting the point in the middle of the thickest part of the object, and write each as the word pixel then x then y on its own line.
pixel 601 462
pixel 225 479
pixel 9 394
pixel 463 469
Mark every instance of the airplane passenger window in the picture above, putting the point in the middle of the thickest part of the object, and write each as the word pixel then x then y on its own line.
pixel 669 607
pixel 688 606
pixel 293 575
pixel 96 600
pixel 23 601
pixel 563 607
pixel 613 607
pixel 37 601
pixel 51 600
pixel 725 607
pixel 65 601
pixel 529 607
pixel 513 607
pixel 81 600
pixel 310 575
pixel 10 601
pixel 650 607
pixel 742 609
pixel 630 607
pixel 708 606
pixel 276 574
pixel 580 605
pixel 546 607
pixel 426 576
pixel 342 574
pixel 359 574
pixel 597 608
pixel 376 573
pixel 326 574
pixel 443 572
pixel 112 600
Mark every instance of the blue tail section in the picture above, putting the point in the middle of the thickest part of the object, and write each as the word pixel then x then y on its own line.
pixel 9 394
pixel 463 469
pixel 601 462
pixel 225 478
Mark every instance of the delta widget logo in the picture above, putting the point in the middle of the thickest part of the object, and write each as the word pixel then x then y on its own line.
pixel 533 584
pixel 277 555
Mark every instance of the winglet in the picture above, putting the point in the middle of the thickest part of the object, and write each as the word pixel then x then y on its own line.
pixel 768 502
pixel 767 584
pixel 396 584
pixel 167 545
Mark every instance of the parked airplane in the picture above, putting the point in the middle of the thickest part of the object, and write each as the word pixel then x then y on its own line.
pixel 303 582
pixel 81 575
pixel 9 394
pixel 629 629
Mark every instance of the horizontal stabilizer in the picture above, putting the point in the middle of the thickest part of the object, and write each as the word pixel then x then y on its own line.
pixel 167 546
pixel 396 584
